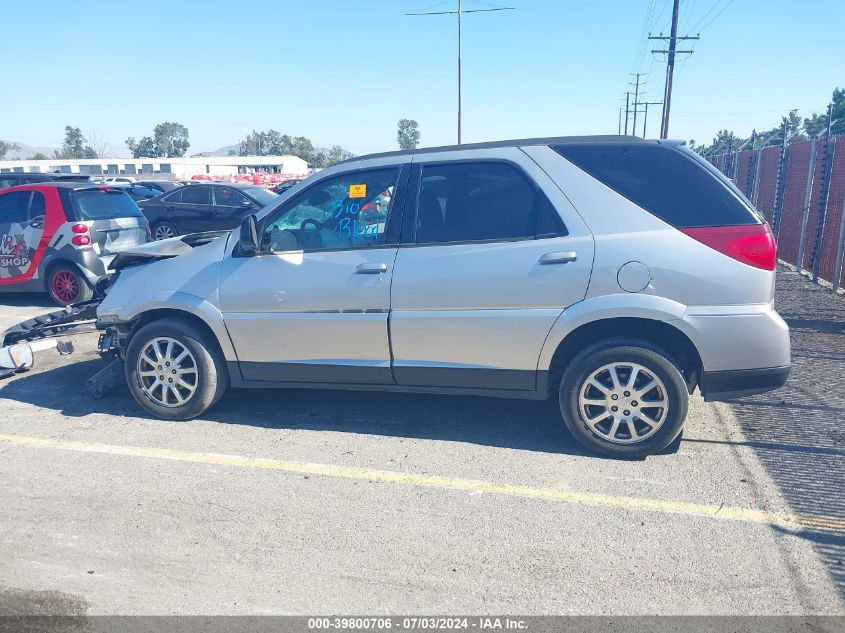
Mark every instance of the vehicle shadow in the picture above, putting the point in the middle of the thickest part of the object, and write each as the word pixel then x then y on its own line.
pixel 517 424
pixel 27 300
pixel 798 431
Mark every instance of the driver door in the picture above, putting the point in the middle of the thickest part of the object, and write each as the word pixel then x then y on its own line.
pixel 312 305
pixel 22 241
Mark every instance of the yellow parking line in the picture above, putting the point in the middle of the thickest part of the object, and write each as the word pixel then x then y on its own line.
pixel 386 476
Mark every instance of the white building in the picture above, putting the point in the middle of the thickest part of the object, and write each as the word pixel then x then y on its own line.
pixel 182 168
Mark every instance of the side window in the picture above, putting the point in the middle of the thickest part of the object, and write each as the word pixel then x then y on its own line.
pixel 14 207
pixel 144 192
pixel 7 182
pixel 347 211
pixel 196 195
pixel 174 198
pixel 37 206
pixel 466 202
pixel 227 197
pixel 676 185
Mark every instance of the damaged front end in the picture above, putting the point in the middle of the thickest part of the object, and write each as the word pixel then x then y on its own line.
pixel 20 342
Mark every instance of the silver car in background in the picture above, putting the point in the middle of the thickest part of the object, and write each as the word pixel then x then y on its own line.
pixel 612 273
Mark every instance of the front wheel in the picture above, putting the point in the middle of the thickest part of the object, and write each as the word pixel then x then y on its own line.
pixel 624 398
pixel 173 370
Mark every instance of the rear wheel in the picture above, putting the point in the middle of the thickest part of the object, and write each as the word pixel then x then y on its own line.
pixel 173 370
pixel 164 230
pixel 624 398
pixel 66 285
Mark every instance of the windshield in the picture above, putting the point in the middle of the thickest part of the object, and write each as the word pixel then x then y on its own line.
pixel 103 204
pixel 259 193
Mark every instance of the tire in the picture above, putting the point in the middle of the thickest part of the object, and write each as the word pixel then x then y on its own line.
pixel 164 230
pixel 587 410
pixel 66 285
pixel 202 368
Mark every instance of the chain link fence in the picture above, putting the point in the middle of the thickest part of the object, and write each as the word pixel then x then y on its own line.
pixel 800 188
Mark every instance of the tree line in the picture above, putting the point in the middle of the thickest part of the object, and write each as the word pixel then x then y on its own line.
pixel 273 143
pixel 171 139
pixel 796 128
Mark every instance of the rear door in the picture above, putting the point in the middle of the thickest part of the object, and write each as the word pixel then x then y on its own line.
pixel 493 255
pixel 193 211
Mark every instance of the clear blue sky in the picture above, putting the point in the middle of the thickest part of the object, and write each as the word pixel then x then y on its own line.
pixel 342 71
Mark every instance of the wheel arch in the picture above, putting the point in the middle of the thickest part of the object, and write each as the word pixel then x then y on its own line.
pixel 186 307
pixel 658 332
pixel 55 262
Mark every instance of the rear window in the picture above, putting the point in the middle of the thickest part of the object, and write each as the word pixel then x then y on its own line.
pixel 668 182
pixel 103 204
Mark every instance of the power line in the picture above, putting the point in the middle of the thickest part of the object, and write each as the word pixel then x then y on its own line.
pixel 709 11
pixel 717 15
pixel 639 55
pixel 690 9
pixel 652 19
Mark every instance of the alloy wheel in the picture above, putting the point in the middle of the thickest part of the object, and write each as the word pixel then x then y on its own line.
pixel 65 286
pixel 167 371
pixel 623 403
pixel 163 232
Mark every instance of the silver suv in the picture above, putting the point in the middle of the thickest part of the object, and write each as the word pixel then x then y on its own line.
pixel 612 273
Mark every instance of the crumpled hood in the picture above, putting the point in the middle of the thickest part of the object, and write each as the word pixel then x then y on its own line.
pixel 162 249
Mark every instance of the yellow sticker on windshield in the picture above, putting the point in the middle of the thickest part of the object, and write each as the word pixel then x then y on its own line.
pixel 357 191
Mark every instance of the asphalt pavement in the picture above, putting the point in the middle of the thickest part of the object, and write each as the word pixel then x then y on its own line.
pixel 279 502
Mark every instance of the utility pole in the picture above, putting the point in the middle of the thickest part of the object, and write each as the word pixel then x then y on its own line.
pixel 619 126
pixel 645 117
pixel 460 13
pixel 460 74
pixel 636 103
pixel 670 65
pixel 627 106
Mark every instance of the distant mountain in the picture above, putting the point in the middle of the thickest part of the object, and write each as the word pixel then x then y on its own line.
pixel 28 151
pixel 222 151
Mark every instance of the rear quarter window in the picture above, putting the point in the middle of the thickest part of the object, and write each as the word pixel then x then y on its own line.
pixel 103 204
pixel 666 181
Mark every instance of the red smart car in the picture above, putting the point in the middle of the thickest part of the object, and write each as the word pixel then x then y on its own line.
pixel 58 237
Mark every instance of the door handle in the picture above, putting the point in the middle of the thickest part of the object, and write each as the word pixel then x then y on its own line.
pixel 370 269
pixel 559 257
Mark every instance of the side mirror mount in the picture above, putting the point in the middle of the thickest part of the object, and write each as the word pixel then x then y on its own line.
pixel 248 238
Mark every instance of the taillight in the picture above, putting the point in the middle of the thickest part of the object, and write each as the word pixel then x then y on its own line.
pixel 81 238
pixel 752 244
